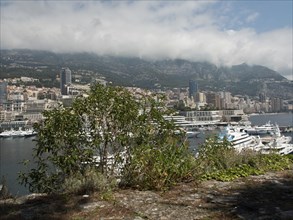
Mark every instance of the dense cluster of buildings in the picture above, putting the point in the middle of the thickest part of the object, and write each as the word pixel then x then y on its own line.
pixel 194 99
pixel 26 103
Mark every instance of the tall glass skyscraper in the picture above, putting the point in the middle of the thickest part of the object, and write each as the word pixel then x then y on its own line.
pixel 192 88
pixel 65 80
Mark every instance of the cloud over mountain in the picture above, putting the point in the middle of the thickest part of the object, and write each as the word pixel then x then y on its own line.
pixel 193 30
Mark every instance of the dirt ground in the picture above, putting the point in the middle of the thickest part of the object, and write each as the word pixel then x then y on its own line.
pixel 268 196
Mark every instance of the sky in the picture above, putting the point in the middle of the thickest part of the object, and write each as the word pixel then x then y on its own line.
pixel 221 32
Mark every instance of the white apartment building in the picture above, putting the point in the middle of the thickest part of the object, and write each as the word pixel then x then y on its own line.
pixel 211 116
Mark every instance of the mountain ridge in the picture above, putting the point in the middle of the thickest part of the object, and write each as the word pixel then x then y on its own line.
pixel 134 71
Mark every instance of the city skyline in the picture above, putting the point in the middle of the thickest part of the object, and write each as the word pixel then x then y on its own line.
pixel 221 32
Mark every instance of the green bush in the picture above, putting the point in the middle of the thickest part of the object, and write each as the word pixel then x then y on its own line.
pixel 214 155
pixel 217 160
pixel 108 131
pixel 90 181
pixel 159 167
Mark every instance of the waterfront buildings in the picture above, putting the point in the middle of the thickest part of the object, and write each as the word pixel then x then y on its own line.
pixel 215 116
pixel 21 102
pixel 200 116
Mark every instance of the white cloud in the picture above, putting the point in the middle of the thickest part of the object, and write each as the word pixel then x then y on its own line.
pixel 191 30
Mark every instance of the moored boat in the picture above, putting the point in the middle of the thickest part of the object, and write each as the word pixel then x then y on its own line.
pixel 240 140
pixel 192 134
pixel 267 128
pixel 18 133
pixel 237 137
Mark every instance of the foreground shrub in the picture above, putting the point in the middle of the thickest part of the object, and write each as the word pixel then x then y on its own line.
pixel 214 155
pixel 159 167
pixel 106 131
pixel 90 181
pixel 219 161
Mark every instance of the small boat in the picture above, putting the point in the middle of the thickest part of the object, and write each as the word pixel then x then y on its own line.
pixel 29 133
pixel 188 133
pixel 191 134
pixel 5 134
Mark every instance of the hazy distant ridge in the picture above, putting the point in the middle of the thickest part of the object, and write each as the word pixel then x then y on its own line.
pixel 153 73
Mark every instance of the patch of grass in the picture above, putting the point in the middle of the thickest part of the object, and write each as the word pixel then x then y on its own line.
pixel 107 195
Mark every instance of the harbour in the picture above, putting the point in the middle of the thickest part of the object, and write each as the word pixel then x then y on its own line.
pixel 15 150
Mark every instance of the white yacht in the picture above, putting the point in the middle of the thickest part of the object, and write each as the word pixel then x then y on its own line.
pixel 267 128
pixel 5 134
pixel 241 140
pixel 18 133
pixel 12 133
pixel 277 143
pixel 29 133
pixel 281 139
pixel 238 137
pixel 279 148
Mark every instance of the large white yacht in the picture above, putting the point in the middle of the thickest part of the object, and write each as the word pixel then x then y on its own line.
pixel 241 140
pixel 238 137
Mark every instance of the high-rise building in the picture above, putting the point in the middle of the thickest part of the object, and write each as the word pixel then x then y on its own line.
pixel 65 80
pixel 200 97
pixel 226 99
pixel 3 91
pixel 276 104
pixel 192 88
pixel 213 99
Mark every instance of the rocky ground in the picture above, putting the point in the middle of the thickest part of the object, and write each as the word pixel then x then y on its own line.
pixel 267 196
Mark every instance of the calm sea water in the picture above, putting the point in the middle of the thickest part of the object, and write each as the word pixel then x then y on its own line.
pixel 12 152
pixel 282 119
pixel 15 150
